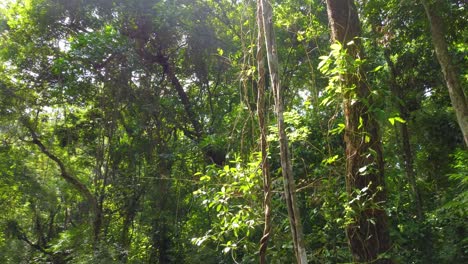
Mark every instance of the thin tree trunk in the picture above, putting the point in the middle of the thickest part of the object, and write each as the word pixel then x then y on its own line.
pixel 408 158
pixel 130 212
pixel 457 96
pixel 161 199
pixel 368 234
pixel 286 164
pixel 406 146
pixel 263 135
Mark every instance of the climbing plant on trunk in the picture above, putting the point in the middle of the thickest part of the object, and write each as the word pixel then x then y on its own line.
pixel 286 163
pixel 367 230
pixel 263 135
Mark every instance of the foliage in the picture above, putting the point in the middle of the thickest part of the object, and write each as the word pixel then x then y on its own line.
pixel 223 193
pixel 150 106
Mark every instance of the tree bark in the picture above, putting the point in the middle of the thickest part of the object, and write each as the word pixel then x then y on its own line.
pixel 263 136
pixel 368 234
pixel 405 138
pixel 457 95
pixel 286 163
pixel 161 203
pixel 130 211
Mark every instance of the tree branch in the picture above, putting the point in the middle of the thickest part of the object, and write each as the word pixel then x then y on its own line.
pixel 69 178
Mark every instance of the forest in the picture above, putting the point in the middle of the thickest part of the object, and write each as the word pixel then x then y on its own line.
pixel 233 131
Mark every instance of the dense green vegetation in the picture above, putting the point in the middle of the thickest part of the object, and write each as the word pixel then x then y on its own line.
pixel 161 131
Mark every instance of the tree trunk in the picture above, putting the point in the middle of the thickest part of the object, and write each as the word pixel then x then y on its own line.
pixel 457 96
pixel 130 212
pixel 161 198
pixel 408 158
pixel 368 234
pixel 263 136
pixel 286 164
pixel 406 146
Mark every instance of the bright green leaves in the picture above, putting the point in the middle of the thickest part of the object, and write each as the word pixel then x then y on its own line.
pixel 362 200
pixel 330 160
pixel 301 16
pixel 296 129
pixel 339 61
pixel 378 68
pixel 394 119
pixel 97 45
pixel 232 193
pixel 339 67
pixel 337 130
pixel 327 61
pixel 17 14
pixel 460 165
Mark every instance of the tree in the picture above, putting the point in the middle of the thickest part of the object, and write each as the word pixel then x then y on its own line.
pixel 128 132
pixel 367 232
pixel 261 106
pixel 457 95
pixel 286 163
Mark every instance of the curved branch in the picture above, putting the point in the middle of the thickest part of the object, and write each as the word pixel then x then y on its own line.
pixel 69 178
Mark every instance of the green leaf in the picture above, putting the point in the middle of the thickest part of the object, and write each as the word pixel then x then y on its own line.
pixel 323 60
pixel 335 46
pixel 396 118
pixel 338 129
pixel 376 69
pixel 205 178
pixel 399 119
pixel 330 160
pixel 367 139
pixel 326 101
pixel 361 122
